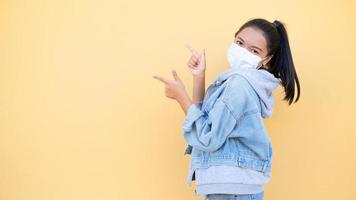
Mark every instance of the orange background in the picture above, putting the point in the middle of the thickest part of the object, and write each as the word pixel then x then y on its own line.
pixel 82 118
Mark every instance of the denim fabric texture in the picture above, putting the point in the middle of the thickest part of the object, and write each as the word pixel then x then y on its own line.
pixel 226 128
pixel 257 196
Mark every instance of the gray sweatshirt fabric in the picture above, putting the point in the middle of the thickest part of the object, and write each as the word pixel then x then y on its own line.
pixel 263 83
pixel 226 179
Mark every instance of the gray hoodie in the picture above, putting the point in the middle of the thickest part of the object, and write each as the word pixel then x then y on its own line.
pixel 262 81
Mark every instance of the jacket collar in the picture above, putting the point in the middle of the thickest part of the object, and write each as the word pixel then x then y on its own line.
pixel 231 71
pixel 225 75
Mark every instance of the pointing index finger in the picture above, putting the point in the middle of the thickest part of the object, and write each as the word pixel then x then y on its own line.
pixel 160 78
pixel 195 53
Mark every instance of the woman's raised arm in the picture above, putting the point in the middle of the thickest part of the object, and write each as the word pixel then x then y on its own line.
pixel 197 66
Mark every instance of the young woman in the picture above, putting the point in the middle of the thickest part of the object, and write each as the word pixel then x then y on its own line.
pixel 231 152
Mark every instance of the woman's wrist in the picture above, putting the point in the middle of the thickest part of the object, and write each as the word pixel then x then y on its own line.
pixel 199 76
pixel 184 101
pixel 198 87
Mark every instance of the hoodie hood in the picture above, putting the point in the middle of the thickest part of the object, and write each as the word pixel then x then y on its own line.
pixel 262 81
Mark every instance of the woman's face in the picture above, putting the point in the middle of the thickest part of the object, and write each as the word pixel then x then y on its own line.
pixel 254 41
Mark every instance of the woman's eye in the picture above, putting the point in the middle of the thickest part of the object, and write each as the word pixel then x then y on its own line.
pixel 239 43
pixel 254 51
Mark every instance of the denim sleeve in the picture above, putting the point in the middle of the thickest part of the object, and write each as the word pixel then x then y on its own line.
pixel 208 131
pixel 189 148
pixel 199 104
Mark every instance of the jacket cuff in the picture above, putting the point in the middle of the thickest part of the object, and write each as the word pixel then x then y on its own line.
pixel 193 114
pixel 199 104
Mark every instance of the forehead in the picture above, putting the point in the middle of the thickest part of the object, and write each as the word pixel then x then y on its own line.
pixel 253 37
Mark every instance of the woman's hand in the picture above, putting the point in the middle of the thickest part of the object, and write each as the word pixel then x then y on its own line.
pixel 196 62
pixel 175 89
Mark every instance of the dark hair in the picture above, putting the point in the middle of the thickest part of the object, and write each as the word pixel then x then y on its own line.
pixel 281 64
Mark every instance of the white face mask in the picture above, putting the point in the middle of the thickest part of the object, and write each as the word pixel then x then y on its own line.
pixel 239 57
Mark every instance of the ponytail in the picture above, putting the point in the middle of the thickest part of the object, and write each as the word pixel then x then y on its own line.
pixel 281 64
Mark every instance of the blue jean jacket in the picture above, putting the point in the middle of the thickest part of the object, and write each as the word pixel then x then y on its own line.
pixel 227 127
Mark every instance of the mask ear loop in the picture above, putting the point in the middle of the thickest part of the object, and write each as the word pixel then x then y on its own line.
pixel 260 66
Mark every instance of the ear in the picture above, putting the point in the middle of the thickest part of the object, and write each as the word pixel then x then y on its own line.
pixel 268 59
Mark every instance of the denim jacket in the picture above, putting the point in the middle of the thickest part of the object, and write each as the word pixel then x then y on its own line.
pixel 226 127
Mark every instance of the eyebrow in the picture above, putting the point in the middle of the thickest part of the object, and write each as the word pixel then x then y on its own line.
pixel 252 46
